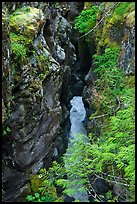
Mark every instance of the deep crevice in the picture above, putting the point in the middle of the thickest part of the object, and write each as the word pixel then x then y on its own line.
pixel 75 86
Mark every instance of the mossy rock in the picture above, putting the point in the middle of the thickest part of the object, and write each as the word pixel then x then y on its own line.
pixel 130 19
pixel 88 5
pixel 112 31
pixel 24 192
pixel 130 81
pixel 35 182
pixel 3 112
pixel 27 21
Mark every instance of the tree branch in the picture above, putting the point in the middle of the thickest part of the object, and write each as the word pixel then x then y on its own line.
pixel 119 105
pixel 117 182
pixel 100 116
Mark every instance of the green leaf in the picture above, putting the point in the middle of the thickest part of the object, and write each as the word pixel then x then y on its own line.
pixel 30 198
pixel 37 195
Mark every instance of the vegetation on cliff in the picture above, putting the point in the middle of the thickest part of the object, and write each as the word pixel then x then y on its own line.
pixel 113 147
pixel 86 20
pixel 25 24
pixel 110 155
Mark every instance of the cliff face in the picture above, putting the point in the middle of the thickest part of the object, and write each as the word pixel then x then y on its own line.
pixel 109 95
pixel 114 29
pixel 37 60
pixel 40 73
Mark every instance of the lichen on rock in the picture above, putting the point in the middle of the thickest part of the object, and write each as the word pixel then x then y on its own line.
pixel 37 72
pixel 27 21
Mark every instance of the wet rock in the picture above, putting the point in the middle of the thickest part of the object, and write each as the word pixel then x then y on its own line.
pixel 6 69
pixel 15 177
pixel 127 54
pixel 69 199
pixel 39 82
pixel 60 54
pixel 100 186
pixel 77 88
pixel 55 153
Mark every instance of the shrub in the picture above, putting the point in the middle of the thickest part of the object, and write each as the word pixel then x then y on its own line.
pixel 43 184
pixel 114 149
pixel 86 20
pixel 18 50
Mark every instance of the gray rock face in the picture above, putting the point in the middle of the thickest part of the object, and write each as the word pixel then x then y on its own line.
pixel 123 33
pixel 60 54
pixel 127 57
pixel 39 84
pixel 6 69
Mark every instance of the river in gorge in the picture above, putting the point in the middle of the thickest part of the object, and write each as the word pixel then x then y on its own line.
pixel 77 117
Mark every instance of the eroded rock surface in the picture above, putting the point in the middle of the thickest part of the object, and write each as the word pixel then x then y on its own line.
pixel 36 47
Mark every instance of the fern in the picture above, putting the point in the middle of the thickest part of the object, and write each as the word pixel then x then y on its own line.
pixel 86 20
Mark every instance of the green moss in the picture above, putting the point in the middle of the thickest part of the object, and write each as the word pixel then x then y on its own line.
pixel 43 62
pixel 130 81
pixel 3 112
pixel 120 12
pixel 20 45
pixel 104 40
pixel 35 182
pixel 41 185
pixel 113 24
pixel 18 49
pixel 88 5
pixel 121 8
pixel 14 38
pixel 25 21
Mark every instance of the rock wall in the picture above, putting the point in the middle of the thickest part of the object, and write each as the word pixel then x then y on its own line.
pixel 37 60
pixel 115 28
pixel 116 31
pixel 39 63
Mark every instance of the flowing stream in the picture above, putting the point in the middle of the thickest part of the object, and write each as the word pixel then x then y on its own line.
pixel 77 116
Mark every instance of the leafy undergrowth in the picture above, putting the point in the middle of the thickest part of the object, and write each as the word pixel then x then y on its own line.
pixel 86 20
pixel 43 185
pixel 113 152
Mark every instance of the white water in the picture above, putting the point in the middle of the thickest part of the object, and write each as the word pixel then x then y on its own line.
pixel 77 116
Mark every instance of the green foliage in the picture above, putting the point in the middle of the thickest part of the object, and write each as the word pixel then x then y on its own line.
pixel 114 150
pixel 108 84
pixel 131 7
pixel 18 49
pixel 82 160
pixel 44 64
pixel 6 131
pixel 43 185
pixel 109 75
pixel 86 20
pixel 38 198
pixel 20 45
pixel 74 166
pixel 121 11
pixel 18 11
pixel 75 160
pixel 122 7
pixel 22 39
